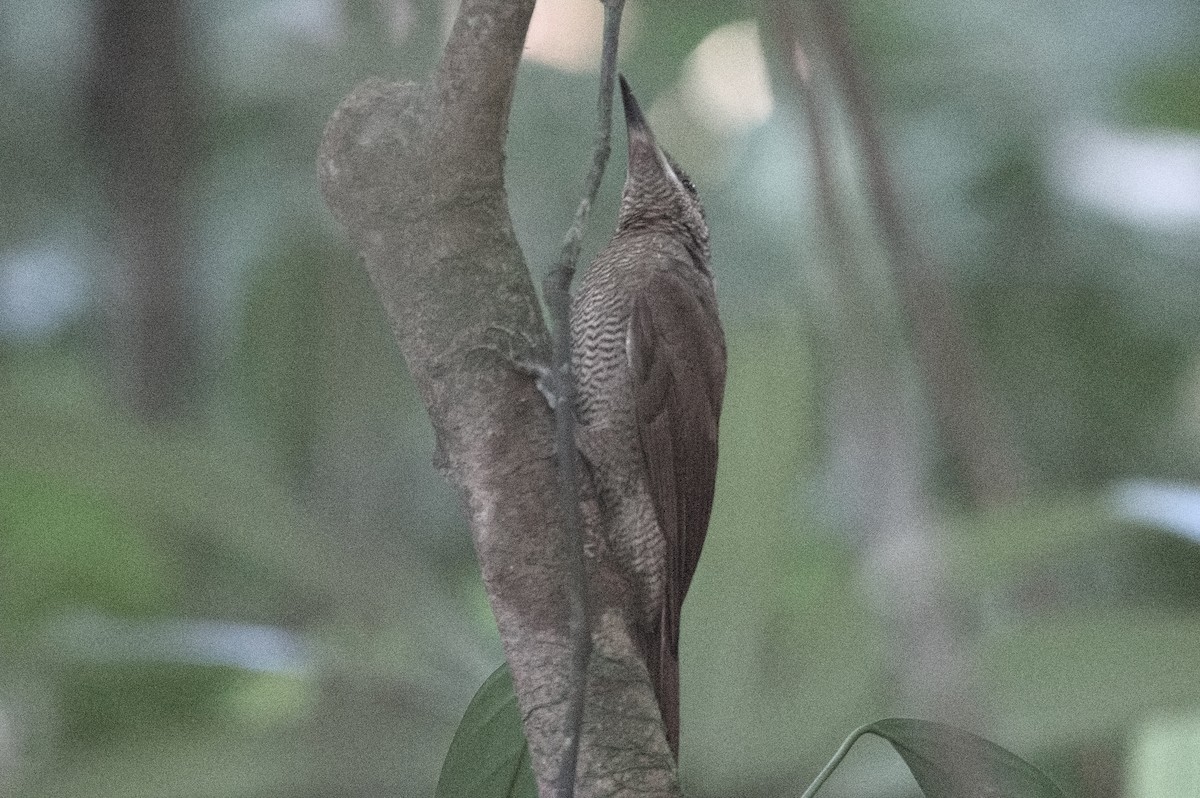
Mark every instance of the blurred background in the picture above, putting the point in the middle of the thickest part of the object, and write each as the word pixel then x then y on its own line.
pixel 228 568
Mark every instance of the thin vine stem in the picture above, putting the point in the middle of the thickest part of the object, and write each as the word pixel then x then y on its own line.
pixel 825 773
pixel 556 288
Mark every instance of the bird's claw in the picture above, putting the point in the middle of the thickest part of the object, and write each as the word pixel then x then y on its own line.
pixel 545 378
pixel 549 382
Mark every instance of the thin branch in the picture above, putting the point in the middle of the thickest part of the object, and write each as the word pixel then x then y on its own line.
pixel 142 122
pixel 870 427
pixel 558 281
pixel 801 67
pixel 987 459
pixel 901 555
pixel 558 300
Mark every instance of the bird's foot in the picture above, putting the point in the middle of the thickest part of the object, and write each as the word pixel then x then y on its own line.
pixel 547 380
pixel 527 359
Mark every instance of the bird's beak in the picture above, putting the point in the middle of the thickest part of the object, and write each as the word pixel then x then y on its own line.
pixel 634 119
pixel 641 140
pixel 642 146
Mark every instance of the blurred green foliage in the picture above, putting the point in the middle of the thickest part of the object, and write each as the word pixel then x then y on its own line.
pixel 65 547
pixel 1167 94
pixel 297 493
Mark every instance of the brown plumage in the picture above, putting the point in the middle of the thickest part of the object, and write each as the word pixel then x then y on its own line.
pixel 648 355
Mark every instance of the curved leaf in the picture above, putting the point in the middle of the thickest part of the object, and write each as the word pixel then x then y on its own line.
pixel 952 763
pixel 489 757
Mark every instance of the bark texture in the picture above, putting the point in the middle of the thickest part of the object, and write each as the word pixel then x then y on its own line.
pixel 414 171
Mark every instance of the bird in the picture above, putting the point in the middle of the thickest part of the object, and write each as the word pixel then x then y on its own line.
pixel 648 357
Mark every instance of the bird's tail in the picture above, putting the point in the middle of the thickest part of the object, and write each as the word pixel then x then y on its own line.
pixel 664 671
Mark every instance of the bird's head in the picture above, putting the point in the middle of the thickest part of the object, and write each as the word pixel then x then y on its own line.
pixel 658 194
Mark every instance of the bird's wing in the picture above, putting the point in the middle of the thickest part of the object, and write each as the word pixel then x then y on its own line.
pixel 677 367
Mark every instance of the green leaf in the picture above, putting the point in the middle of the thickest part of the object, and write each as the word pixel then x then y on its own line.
pixel 489 757
pixel 951 763
pixel 942 758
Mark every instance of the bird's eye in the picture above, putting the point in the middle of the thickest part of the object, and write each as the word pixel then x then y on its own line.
pixel 686 182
